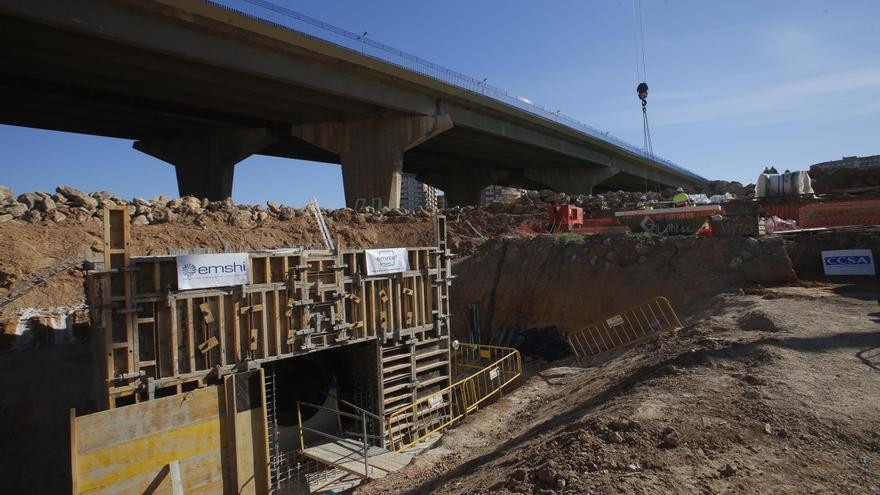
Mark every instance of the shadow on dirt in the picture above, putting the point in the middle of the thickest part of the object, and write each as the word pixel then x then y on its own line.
pixel 869 342
pixel 871 357
pixel 863 291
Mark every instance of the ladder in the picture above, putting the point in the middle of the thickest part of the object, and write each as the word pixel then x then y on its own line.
pixel 39 280
pixel 319 217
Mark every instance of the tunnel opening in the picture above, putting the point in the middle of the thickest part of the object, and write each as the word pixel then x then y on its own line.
pixel 320 383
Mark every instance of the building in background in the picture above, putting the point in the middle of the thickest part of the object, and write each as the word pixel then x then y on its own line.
pixel 503 194
pixel 441 201
pixel 851 173
pixel 415 195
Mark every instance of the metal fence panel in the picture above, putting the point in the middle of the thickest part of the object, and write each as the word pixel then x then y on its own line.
pixel 497 367
pixel 630 326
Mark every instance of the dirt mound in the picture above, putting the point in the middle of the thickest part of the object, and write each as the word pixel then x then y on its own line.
pixel 48 228
pixel 569 282
pixel 849 173
pixel 713 409
pixel 757 321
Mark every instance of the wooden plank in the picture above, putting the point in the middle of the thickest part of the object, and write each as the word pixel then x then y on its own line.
pixel 236 331
pixel 264 322
pixel 96 431
pixel 231 444
pixel 73 464
pixel 254 333
pixel 276 320
pixel 175 366
pixel 176 485
pixel 190 336
pixel 209 344
pixel 221 328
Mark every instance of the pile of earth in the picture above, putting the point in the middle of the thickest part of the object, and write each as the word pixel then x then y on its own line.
pixel 39 230
pixel 721 406
pixel 605 202
pixel 569 281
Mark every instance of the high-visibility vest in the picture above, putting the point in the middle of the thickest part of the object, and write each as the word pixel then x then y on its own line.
pixel 680 198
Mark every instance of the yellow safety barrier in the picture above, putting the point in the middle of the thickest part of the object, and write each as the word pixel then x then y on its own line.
pixel 630 326
pixel 497 367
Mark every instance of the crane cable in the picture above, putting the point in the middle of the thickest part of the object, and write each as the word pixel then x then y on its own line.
pixel 642 91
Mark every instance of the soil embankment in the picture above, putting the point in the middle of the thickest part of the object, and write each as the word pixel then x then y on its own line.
pixel 569 282
pixel 771 391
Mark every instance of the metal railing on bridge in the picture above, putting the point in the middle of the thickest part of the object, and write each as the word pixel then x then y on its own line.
pixel 281 17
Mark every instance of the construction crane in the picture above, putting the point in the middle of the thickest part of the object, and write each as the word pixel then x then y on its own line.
pixel 642 88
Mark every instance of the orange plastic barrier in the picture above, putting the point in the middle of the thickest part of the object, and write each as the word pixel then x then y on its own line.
pixel 840 213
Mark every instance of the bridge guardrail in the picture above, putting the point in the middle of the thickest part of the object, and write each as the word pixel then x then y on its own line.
pixel 323 31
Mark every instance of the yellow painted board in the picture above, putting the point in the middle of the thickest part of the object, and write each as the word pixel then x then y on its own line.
pixel 119 425
pixel 147 454
pixel 198 474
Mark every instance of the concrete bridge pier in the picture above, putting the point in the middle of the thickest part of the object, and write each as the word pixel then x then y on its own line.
pixel 205 163
pixel 371 152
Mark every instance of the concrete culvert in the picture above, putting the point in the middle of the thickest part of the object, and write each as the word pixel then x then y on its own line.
pixel 757 321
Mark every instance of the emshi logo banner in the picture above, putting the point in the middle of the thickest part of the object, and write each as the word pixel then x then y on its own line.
pixel 848 262
pixel 382 261
pixel 200 271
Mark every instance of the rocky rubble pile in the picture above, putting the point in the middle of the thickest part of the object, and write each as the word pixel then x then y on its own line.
pixel 853 173
pixel 68 204
pixel 588 452
pixel 615 200
pixel 611 200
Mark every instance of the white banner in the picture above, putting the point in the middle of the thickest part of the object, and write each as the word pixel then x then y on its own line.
pixel 200 271
pixel 848 262
pixel 382 261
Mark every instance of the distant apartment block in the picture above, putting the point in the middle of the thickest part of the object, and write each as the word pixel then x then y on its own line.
pixel 415 195
pixel 492 194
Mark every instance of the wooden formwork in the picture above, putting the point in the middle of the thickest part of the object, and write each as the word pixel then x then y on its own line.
pixel 156 340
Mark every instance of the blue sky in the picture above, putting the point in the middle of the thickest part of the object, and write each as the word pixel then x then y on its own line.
pixel 735 86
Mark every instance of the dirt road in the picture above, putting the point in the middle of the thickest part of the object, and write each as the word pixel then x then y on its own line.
pixel 765 391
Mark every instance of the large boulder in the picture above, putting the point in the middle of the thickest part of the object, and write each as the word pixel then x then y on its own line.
pixel 46 204
pixel 241 219
pixel 29 199
pixel 5 193
pixel 77 197
pixel 17 210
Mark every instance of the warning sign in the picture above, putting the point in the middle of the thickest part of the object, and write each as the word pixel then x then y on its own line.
pixel 494 373
pixel 614 321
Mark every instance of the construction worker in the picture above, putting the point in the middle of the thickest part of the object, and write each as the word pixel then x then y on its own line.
pixel 680 199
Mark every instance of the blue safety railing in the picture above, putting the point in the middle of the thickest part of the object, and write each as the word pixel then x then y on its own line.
pixel 290 20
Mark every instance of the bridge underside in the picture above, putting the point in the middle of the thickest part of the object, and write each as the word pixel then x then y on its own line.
pixel 203 95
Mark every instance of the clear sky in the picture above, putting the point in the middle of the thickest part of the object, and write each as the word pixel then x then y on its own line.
pixel 735 86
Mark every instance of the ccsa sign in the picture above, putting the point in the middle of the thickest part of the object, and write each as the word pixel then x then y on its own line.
pixel 848 262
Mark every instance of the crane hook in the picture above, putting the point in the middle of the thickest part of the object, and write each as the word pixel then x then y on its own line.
pixel 642 90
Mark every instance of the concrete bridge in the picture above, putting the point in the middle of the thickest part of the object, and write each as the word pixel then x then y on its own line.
pixel 203 87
